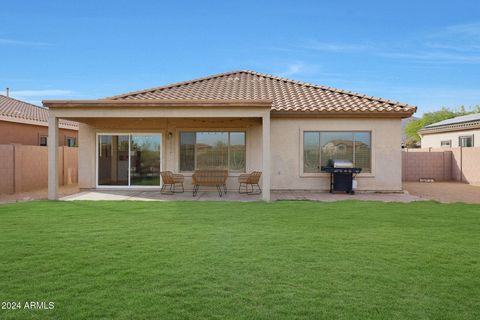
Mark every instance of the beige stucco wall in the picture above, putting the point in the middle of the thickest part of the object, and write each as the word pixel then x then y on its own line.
pixel 286 147
pixel 433 140
pixel 170 143
pixel 287 152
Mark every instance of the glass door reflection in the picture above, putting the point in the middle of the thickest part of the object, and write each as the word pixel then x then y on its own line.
pixel 113 160
pixel 145 160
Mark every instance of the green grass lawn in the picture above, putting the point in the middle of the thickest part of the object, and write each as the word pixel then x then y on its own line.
pixel 194 260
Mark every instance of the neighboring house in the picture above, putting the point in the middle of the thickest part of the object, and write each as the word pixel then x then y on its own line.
pixel 240 121
pixel 461 131
pixel 27 124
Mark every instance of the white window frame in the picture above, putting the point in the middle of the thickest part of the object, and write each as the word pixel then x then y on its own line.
pixel 129 134
pixel 447 146
pixel 466 137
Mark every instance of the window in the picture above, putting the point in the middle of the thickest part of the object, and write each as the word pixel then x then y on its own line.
pixel 42 141
pixel 70 141
pixel 212 150
pixel 320 148
pixel 465 141
pixel 446 143
pixel 129 160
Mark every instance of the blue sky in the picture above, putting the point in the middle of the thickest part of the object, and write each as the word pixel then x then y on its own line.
pixel 425 53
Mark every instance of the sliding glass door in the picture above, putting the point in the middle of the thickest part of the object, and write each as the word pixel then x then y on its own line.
pixel 129 159
pixel 113 160
pixel 145 160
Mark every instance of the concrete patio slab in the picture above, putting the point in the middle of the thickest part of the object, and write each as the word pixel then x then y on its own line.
pixel 150 195
pixel 40 194
pixel 329 197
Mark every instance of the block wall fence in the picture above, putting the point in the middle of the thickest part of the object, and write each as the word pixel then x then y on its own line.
pixel 25 168
pixel 445 164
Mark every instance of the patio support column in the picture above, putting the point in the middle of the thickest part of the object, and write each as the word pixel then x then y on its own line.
pixel 52 156
pixel 266 156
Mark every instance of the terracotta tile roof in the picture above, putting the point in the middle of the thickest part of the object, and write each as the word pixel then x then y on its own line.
pixel 19 111
pixel 286 95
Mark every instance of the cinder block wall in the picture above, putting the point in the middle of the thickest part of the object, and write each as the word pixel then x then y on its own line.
pixel 467 165
pixel 435 165
pixel 25 168
pixel 452 164
pixel 7 174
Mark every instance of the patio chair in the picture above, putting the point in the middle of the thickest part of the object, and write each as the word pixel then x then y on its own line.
pixel 249 179
pixel 171 179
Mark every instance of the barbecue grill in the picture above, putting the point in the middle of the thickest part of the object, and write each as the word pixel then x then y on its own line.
pixel 342 173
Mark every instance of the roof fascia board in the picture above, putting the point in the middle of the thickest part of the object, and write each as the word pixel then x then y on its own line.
pixel 36 123
pixel 155 103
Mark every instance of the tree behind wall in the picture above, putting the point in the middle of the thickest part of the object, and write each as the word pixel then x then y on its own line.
pixel 411 129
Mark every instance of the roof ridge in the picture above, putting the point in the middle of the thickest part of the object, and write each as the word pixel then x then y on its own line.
pixel 21 101
pixel 176 84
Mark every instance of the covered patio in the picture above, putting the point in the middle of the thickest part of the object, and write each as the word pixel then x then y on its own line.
pixel 107 126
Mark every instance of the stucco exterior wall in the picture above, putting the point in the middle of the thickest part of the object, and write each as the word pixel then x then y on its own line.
pixel 286 147
pixel 27 134
pixel 433 140
pixel 170 142
pixel 287 153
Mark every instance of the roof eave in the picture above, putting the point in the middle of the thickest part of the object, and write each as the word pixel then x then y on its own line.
pixel 61 124
pixel 357 114
pixel 106 103
pixel 451 127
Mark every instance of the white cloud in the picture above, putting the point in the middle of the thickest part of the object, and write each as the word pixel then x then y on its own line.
pixel 335 47
pixel 4 41
pixel 450 44
pixel 438 56
pixel 42 93
pixel 293 69
pixel 298 68
pixel 466 29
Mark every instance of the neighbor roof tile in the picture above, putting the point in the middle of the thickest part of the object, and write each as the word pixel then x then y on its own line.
pixel 20 111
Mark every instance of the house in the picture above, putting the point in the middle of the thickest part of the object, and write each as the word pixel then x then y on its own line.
pixel 463 131
pixel 240 121
pixel 27 124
